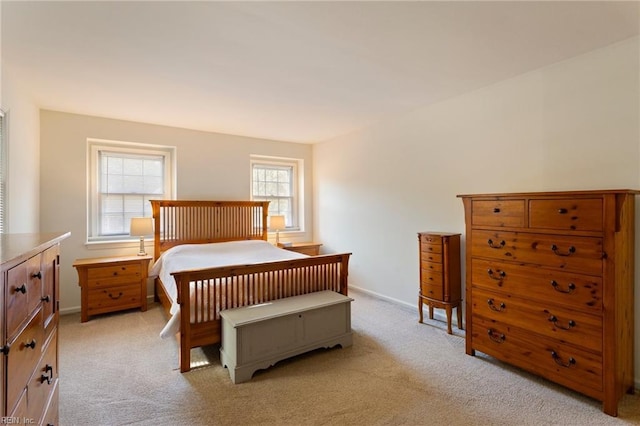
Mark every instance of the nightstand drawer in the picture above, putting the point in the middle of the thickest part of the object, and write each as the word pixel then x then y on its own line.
pixel 110 275
pixel 114 298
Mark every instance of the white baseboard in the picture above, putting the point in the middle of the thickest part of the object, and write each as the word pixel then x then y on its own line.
pixel 437 314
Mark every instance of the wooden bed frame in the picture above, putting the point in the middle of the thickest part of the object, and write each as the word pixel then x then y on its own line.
pixel 198 222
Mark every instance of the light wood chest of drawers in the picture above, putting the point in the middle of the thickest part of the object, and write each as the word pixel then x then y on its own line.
pixel 29 309
pixel 440 274
pixel 112 284
pixel 550 283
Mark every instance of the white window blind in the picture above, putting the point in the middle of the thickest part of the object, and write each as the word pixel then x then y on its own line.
pixel 124 180
pixel 276 181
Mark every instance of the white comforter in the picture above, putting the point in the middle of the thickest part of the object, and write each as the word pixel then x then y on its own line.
pixel 200 256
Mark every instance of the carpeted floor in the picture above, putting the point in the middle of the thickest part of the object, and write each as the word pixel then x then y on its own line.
pixel 115 370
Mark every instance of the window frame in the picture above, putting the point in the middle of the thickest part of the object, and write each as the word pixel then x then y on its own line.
pixel 94 147
pixel 297 166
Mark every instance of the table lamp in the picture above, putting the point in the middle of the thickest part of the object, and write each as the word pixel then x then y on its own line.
pixel 141 226
pixel 277 223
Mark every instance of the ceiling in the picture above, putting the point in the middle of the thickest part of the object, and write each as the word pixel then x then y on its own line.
pixel 293 71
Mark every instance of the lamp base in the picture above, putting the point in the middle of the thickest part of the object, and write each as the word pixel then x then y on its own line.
pixel 142 252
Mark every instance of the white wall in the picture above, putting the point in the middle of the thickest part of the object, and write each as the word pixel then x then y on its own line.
pixel 570 126
pixel 23 154
pixel 209 166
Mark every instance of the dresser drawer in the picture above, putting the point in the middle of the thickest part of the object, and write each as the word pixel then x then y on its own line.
pixel 562 363
pixel 24 353
pixel 110 298
pixel 51 415
pixel 432 277
pixel 108 276
pixel 431 266
pixel 566 214
pixel 44 379
pixel 569 253
pixel 433 291
pixel 431 239
pixel 567 289
pixel 431 248
pixel 23 293
pixel 431 257
pixel 498 213
pixel 574 327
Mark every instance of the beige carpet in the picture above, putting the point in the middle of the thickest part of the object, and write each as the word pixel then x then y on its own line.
pixel 115 370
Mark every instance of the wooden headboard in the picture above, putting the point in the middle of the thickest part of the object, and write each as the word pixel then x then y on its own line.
pixel 197 222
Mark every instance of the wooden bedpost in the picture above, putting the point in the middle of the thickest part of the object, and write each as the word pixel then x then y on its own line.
pixel 344 275
pixel 155 211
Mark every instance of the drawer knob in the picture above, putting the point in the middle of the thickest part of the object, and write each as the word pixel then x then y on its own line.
pixel 498 275
pixel 569 325
pixel 496 246
pixel 570 288
pixel 5 349
pixel 22 289
pixel 493 306
pixel 558 360
pixel 563 211
pixel 31 344
pixel 557 252
pixel 498 338
pixel 496 210
pixel 37 275
pixel 115 297
pixel 46 298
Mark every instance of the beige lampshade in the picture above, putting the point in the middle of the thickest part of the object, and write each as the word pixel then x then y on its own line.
pixel 276 222
pixel 141 226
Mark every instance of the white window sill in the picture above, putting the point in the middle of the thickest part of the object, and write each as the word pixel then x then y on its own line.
pixel 116 244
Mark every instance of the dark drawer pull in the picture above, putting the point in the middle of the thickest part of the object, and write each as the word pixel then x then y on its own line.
pixel 562 211
pixel 115 297
pixel 22 289
pixel 31 344
pixel 500 274
pixel 570 324
pixel 493 307
pixel 500 245
pixel 5 349
pixel 496 210
pixel 554 248
pixel 49 377
pixel 498 338
pixel 37 275
pixel 570 288
pixel 46 298
pixel 558 360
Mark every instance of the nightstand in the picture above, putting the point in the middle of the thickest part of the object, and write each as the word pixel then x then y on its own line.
pixel 111 284
pixel 311 249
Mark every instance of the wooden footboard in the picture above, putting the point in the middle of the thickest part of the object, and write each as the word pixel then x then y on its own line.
pixel 202 294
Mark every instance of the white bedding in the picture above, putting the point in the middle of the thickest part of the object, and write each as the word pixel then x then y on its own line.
pixel 200 256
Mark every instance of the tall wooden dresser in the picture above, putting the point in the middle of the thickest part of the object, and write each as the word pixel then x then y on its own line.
pixel 550 284
pixel 29 310
pixel 440 274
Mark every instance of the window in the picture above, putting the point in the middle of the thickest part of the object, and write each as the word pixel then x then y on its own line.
pixel 3 171
pixel 276 180
pixel 123 178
